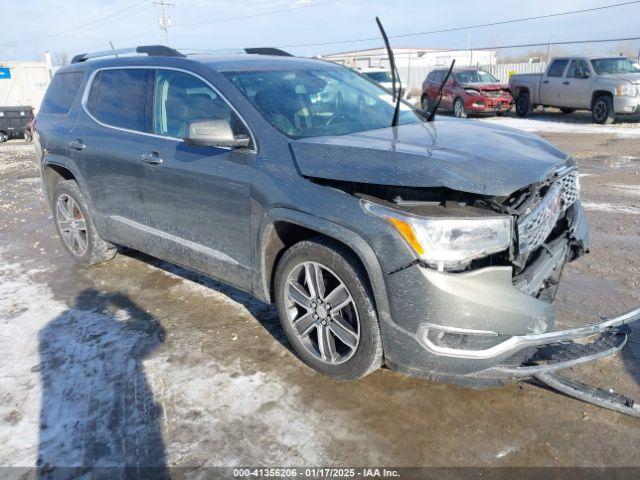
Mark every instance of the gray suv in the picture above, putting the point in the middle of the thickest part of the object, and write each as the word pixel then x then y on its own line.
pixel 434 248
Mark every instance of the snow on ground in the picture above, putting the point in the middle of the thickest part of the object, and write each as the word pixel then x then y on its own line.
pixel 552 123
pixel 607 207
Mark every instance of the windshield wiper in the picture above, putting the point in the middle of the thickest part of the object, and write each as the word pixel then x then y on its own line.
pixel 395 76
pixel 431 113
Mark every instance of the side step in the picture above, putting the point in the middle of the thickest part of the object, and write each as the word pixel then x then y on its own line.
pixel 602 398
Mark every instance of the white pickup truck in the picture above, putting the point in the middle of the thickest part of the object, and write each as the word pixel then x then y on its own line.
pixel 607 86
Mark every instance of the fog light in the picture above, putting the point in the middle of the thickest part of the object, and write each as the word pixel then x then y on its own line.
pixel 440 337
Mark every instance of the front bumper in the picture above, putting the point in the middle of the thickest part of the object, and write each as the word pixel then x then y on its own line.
pixel 481 104
pixel 626 105
pixel 486 327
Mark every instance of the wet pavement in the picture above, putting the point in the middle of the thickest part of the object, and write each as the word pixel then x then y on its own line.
pixel 140 362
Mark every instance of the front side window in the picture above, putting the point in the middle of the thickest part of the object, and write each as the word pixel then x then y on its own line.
pixel 61 92
pixel 118 97
pixel 557 68
pixel 309 103
pixel 181 98
pixel 577 69
pixel 614 66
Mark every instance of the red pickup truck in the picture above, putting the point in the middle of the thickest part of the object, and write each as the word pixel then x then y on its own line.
pixel 469 91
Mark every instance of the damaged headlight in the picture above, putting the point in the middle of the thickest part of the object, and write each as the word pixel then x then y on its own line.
pixel 448 243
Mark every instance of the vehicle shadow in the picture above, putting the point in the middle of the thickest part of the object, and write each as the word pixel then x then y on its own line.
pixel 98 417
pixel 264 313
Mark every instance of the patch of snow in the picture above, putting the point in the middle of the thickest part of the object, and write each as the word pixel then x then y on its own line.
pixel 607 207
pixel 551 124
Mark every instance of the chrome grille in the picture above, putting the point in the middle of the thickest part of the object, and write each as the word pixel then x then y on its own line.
pixel 570 188
pixel 496 93
pixel 535 227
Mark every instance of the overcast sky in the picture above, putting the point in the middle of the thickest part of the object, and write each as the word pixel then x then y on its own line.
pixel 73 26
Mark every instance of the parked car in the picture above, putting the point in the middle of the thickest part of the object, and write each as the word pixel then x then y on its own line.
pixel 15 122
pixel 469 91
pixel 607 86
pixel 383 77
pixel 432 247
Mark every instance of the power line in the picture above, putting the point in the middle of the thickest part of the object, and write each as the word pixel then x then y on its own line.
pixel 271 12
pixel 91 23
pixel 468 27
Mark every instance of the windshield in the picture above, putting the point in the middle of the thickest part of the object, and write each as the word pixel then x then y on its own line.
pixel 379 77
pixel 474 76
pixel 311 103
pixel 608 66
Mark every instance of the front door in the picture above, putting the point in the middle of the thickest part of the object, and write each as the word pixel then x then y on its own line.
pixel 577 85
pixel 197 198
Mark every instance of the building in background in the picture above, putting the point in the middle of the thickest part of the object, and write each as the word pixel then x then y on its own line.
pixel 24 83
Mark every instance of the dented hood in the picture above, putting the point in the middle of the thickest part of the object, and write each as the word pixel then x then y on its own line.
pixel 464 155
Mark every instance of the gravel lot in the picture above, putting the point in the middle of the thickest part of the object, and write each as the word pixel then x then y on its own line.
pixel 139 362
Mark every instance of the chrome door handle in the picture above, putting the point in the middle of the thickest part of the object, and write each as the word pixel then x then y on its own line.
pixel 545 81
pixel 566 83
pixel 76 144
pixel 152 158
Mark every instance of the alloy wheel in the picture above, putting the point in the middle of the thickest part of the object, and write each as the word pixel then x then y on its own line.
pixel 458 108
pixel 599 111
pixel 72 225
pixel 322 313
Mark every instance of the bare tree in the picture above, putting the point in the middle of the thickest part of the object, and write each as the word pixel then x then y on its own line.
pixel 60 58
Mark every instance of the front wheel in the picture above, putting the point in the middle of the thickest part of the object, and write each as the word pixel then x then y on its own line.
pixel 524 108
pixel 326 309
pixel 458 108
pixel 603 113
pixel 424 103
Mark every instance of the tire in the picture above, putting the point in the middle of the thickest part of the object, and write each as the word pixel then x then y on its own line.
pixel 567 111
pixel 424 103
pixel 458 108
pixel 500 114
pixel 80 239
pixel 524 108
pixel 361 354
pixel 28 137
pixel 3 137
pixel 602 111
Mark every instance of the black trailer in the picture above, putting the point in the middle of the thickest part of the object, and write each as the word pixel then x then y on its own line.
pixel 15 122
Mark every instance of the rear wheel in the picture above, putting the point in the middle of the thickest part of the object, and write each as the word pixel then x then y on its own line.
pixel 3 136
pixel 458 108
pixel 28 137
pixel 603 113
pixel 424 103
pixel 76 228
pixel 567 111
pixel 523 104
pixel 326 309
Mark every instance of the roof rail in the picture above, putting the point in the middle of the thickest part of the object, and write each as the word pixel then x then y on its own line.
pixel 268 51
pixel 151 50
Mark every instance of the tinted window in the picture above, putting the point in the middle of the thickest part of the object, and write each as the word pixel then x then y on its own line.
pixel 439 76
pixel 118 97
pixel 576 67
pixel 557 68
pixel 180 98
pixel 61 92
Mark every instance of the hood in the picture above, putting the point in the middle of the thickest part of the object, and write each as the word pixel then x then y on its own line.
pixel 629 77
pixel 465 155
pixel 486 86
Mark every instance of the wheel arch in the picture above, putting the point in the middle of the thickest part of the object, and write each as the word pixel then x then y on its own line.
pixel 52 174
pixel 599 93
pixel 281 228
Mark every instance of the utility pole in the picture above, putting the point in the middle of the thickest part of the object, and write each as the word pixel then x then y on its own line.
pixel 164 20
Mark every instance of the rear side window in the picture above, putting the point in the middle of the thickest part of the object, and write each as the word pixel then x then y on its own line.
pixel 557 68
pixel 61 92
pixel 118 97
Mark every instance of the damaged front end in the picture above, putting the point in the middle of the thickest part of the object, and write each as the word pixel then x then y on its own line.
pixel 482 307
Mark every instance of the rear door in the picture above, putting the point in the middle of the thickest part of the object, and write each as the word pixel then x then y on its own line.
pixel 107 143
pixel 197 198
pixel 552 87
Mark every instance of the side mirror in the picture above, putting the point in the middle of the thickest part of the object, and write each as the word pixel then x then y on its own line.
pixel 215 133
pixel 583 73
